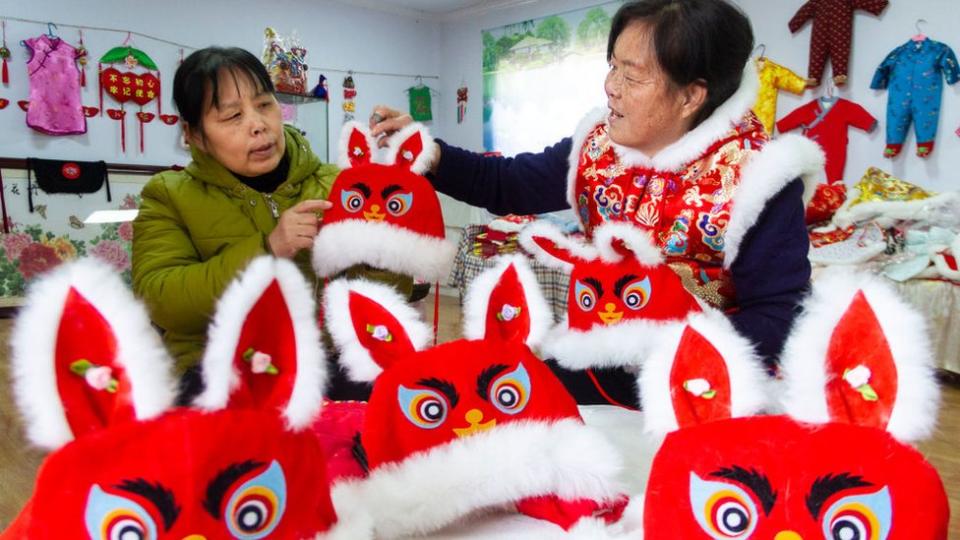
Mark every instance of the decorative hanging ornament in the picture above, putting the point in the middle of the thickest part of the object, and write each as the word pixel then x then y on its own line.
pixel 461 103
pixel 139 83
pixel 5 53
pixel 82 60
pixel 349 95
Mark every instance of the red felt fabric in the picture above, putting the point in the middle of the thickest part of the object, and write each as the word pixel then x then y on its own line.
pixel 365 313
pixel 358 151
pixel 792 456
pixel 566 514
pixel 696 358
pixel 508 292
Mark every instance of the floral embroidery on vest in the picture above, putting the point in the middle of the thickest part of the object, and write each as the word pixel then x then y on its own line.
pixel 685 210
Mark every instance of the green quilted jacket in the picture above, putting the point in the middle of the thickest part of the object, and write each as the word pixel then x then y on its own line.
pixel 199 227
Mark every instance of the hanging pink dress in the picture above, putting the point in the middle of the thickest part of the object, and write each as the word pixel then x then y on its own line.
pixel 55 106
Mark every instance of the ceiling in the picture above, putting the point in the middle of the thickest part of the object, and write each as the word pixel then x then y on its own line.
pixel 435 9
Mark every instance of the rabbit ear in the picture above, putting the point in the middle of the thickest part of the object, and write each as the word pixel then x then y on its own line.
pixel 264 349
pixel 701 370
pixel 356 146
pixel 553 248
pixel 859 354
pixel 412 147
pixel 372 327
pixel 615 241
pixel 505 302
pixel 85 356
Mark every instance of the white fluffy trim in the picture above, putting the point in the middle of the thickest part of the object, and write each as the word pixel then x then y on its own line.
pixel 478 299
pixel 427 156
pixel 339 246
pixel 587 124
pixel 432 489
pixel 34 343
pixel 748 381
pixel 804 356
pixel 766 174
pixel 890 211
pixel 627 343
pixel 635 238
pixel 219 368
pixel 361 366
pixel 578 250
pixel 343 153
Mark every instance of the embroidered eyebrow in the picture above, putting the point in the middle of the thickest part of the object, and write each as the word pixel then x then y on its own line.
pixel 362 188
pixel 596 285
pixel 623 282
pixel 217 487
pixel 161 497
pixel 827 486
pixel 487 375
pixel 443 386
pixel 392 188
pixel 755 481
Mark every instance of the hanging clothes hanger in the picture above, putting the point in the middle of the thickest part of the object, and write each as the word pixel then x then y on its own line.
pixel 920 36
pixel 50 28
pixel 762 48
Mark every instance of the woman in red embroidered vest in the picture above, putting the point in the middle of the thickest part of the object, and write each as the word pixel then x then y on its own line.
pixel 675 151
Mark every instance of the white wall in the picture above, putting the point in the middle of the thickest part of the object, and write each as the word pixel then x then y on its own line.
pixel 337 36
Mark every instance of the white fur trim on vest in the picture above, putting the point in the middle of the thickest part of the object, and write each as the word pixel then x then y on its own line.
pixel 766 173
pixel 34 341
pixel 340 245
pixel 430 490
pixel 804 374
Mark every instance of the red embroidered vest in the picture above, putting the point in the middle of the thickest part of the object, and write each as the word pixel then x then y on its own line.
pixel 686 210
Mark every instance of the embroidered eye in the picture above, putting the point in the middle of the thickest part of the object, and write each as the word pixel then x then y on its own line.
pixel 256 507
pixel 424 408
pixel 510 393
pixel 352 201
pixel 637 294
pixel 724 511
pixel 399 204
pixel 111 517
pixel 585 295
pixel 859 517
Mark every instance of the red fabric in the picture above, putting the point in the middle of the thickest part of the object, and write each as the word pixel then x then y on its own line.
pixel 3 103
pixel 826 200
pixel 829 129
pixel 566 514
pixel 367 315
pixel 698 359
pixel 858 340
pixel 818 239
pixel 336 429
pixel 832 29
pixel 791 456
pixel 508 314
pixel 84 334
pixel 182 451
pixel 6 72
pixel 358 151
pixel 410 149
pixel 686 211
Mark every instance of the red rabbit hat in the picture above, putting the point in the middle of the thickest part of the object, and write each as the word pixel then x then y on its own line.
pixel 95 386
pixel 471 424
pixel 385 214
pixel 620 288
pixel 857 379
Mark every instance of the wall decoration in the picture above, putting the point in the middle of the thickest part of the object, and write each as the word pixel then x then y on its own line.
pixel 461 102
pixel 54 106
pixel 349 95
pixel 285 61
pixel 4 53
pixel 541 76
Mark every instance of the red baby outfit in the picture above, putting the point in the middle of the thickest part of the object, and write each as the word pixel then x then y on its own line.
pixel 832 30
pixel 825 121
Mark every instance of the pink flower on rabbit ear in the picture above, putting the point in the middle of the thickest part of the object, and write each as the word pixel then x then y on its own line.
pixel 99 378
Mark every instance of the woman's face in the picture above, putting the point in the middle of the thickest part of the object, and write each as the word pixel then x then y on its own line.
pixel 647 112
pixel 245 133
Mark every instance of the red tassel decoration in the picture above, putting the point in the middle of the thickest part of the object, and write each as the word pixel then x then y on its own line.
pixel 6 73
pixel 159 94
pixel 83 78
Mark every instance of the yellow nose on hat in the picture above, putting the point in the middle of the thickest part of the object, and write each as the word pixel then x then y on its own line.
pixel 787 535
pixel 195 537
pixel 611 315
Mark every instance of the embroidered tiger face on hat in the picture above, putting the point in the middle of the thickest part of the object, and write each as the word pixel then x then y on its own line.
pixel 385 212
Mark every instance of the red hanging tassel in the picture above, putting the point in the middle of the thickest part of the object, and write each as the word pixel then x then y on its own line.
pixel 159 94
pixel 83 78
pixel 100 84
pixel 141 136
pixel 123 133
pixel 6 73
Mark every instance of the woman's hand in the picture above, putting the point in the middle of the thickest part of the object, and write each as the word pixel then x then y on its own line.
pixel 296 228
pixel 385 121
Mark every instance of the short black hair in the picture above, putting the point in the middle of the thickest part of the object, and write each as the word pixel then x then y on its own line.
pixel 201 70
pixel 708 40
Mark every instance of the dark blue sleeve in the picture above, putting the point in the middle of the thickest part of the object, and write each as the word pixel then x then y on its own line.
pixel 771 274
pixel 525 184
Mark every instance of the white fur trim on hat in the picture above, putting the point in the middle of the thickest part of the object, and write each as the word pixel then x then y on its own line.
pixel 34 342
pixel 748 381
pixel 340 245
pixel 764 176
pixel 478 298
pixel 343 153
pixel 489 470
pixel 627 343
pixel 360 366
pixel 635 238
pixel 804 355
pixel 428 156
pixel 547 230
pixel 219 370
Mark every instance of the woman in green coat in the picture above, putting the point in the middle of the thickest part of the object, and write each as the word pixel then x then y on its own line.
pixel 254 187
